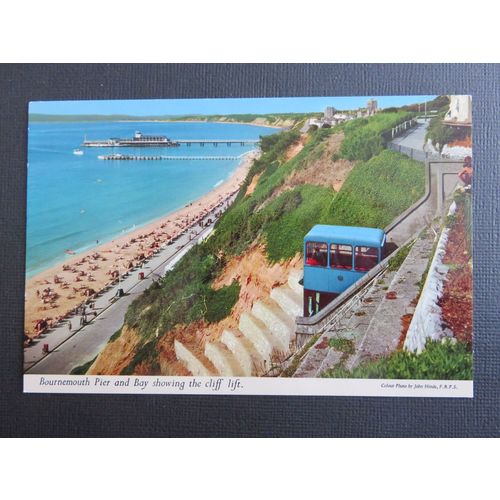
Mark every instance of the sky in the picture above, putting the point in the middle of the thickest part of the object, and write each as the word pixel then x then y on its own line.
pixel 146 107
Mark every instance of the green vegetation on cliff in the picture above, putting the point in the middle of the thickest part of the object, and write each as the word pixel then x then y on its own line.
pixel 375 192
pixel 366 137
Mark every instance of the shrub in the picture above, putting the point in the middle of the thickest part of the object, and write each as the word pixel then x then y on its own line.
pixel 440 360
pixel 291 216
pixel 220 302
pixel 364 137
pixel 439 133
pixel 362 145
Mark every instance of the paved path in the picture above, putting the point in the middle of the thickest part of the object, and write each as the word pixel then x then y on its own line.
pixel 69 349
pixel 426 212
pixel 415 137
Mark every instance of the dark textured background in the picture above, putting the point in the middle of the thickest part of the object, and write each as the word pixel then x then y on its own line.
pixel 98 415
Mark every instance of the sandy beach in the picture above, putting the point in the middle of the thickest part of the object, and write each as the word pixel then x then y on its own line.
pixel 53 293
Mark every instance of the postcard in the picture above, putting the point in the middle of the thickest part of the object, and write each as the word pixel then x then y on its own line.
pixel 256 246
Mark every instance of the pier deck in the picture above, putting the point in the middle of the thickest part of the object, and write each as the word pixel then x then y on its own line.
pixel 227 142
pixel 118 157
pixel 118 143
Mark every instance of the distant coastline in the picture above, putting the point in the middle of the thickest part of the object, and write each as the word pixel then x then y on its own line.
pixel 227 122
pixel 277 121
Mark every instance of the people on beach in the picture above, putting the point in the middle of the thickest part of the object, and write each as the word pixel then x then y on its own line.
pixel 100 266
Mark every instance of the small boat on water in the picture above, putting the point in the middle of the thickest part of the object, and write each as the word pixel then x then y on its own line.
pixel 70 252
pixel 78 152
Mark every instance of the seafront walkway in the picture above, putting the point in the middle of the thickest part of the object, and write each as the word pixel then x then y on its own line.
pixel 414 138
pixel 69 348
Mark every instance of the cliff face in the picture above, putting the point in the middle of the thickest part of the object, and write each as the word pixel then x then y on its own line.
pixel 324 168
pixel 257 277
pixel 270 121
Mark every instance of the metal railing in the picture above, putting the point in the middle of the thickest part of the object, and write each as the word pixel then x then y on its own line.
pixel 419 154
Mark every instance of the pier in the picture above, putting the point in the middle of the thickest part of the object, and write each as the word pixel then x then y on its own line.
pixel 160 141
pixel 227 142
pixel 120 157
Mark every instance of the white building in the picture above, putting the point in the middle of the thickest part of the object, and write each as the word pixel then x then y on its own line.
pixel 372 106
pixel 329 113
pixel 460 112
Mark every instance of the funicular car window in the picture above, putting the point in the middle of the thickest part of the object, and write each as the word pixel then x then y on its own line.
pixel 340 256
pixel 365 258
pixel 316 254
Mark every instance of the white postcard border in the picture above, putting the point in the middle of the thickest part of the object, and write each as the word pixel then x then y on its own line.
pixel 248 386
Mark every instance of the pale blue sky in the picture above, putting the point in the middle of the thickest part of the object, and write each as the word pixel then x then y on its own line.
pixel 217 106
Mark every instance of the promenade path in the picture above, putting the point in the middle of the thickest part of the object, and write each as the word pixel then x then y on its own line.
pixel 413 143
pixel 71 348
pixel 414 138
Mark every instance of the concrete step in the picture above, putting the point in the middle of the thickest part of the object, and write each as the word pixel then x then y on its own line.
pixel 249 359
pixel 289 300
pixel 293 282
pixel 191 361
pixel 281 325
pixel 259 335
pixel 223 359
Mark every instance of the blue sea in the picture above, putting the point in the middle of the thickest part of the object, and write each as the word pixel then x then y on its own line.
pixel 75 201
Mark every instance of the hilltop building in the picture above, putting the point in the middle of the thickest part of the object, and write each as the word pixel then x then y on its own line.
pixel 331 117
pixel 329 113
pixel 371 107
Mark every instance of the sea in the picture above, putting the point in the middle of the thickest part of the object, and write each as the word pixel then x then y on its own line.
pixel 77 202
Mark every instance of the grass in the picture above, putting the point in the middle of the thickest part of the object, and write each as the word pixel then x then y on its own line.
pixel 292 367
pixel 440 360
pixel 377 190
pixel 366 137
pixel 297 211
pixel 248 117
pixel 244 118
pixel 220 302
pixel 345 346
pixel 400 257
pixel 185 294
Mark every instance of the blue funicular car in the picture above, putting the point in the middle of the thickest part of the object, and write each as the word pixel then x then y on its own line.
pixel 334 258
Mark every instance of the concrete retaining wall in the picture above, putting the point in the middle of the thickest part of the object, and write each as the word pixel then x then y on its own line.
pixel 427 320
